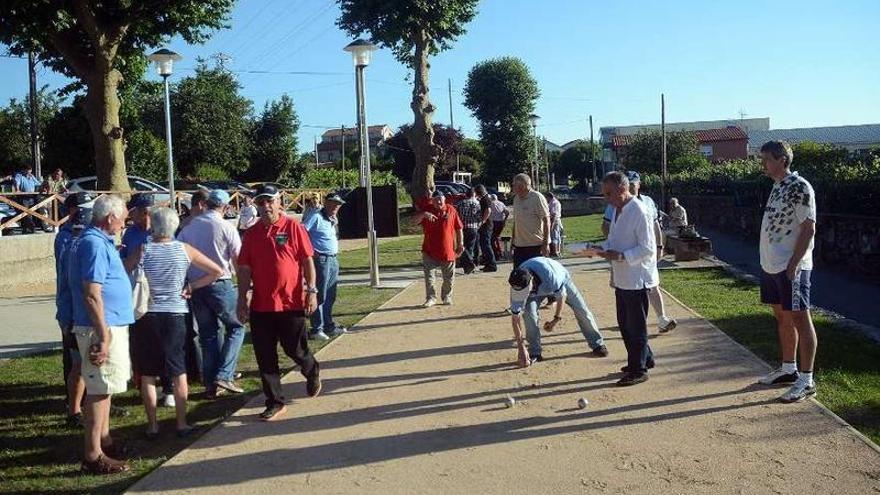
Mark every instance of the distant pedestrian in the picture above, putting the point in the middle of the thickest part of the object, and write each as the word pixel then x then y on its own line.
pixel 485 230
pixel 57 182
pixel 631 249
pixel 788 232
pixel 159 336
pixel 677 215
pixel 554 208
pixel 531 221
pixel 215 305
pixel 322 227
pixel 27 182
pixel 499 220
pixel 276 260
pixel 79 209
pixel 443 242
pixel 247 214
pixel 535 279
pixel 102 310
pixel 471 217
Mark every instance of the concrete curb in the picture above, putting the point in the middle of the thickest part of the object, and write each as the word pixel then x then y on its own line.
pixel 828 412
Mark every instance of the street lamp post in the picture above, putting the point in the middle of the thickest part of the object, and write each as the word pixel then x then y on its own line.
pixel 361 52
pixel 535 174
pixel 164 60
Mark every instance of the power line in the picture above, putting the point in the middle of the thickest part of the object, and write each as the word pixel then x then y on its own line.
pixel 248 42
pixel 290 35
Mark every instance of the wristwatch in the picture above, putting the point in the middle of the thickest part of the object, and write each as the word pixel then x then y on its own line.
pixel 311 290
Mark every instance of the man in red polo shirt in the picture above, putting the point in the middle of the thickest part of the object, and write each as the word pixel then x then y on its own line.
pixel 275 257
pixel 443 243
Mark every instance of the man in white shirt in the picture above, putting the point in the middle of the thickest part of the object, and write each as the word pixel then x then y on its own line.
pixel 632 252
pixel 787 233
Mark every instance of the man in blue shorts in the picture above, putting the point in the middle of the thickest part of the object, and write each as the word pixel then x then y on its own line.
pixel 786 248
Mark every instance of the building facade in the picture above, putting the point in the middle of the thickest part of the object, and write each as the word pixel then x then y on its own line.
pixel 333 141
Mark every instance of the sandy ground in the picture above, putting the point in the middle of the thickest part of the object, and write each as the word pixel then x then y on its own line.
pixel 414 402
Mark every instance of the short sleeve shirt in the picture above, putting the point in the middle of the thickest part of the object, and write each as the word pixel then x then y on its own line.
pixel 651 206
pixel 554 208
pixel 322 232
pixel 552 275
pixel 27 183
pixel 498 210
pixel 469 211
pixel 93 258
pixel 528 214
pixel 215 238
pixel 63 304
pixel 792 201
pixel 275 254
pixel 133 238
pixel 439 241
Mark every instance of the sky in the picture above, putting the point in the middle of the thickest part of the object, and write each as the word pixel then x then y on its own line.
pixel 801 63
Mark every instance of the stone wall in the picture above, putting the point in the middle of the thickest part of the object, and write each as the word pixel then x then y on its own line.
pixel 26 260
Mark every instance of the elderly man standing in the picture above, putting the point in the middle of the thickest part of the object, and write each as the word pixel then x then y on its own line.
pixel 531 221
pixel 27 182
pixel 631 249
pixel 469 212
pixel 102 311
pixel 499 218
pixel 443 242
pixel 276 258
pixel 788 230
pixel 321 226
pixel 485 230
pixel 138 233
pixel 215 304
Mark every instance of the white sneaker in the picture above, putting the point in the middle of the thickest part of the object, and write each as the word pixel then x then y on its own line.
pixel 320 335
pixel 429 302
pixel 447 301
pixel 798 392
pixel 667 324
pixel 168 401
pixel 778 376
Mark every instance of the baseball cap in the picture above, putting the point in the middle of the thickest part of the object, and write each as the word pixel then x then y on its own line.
pixel 79 199
pixel 266 191
pixel 218 197
pixel 633 176
pixel 141 201
pixel 438 193
pixel 335 198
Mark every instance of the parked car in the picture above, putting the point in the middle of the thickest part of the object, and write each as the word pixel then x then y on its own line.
pixel 137 184
pixel 458 187
pixel 7 212
pixel 227 185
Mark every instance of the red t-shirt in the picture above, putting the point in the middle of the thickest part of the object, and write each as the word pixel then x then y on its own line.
pixel 274 255
pixel 439 242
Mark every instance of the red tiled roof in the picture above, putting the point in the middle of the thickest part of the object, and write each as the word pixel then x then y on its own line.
pixel 703 136
pixel 352 131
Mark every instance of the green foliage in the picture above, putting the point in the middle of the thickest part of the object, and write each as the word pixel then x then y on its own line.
pixel 68 142
pixel 146 155
pixel 274 143
pixel 397 24
pixel 211 123
pixel 329 178
pixel 501 94
pixel 15 122
pixel 449 140
pixel 645 150
pixel 575 162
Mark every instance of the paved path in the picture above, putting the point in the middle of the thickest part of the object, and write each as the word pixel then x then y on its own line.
pixel 28 325
pixel 413 402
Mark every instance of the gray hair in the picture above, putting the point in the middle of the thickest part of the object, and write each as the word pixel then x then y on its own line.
pixel 522 178
pixel 673 201
pixel 493 197
pixel 617 179
pixel 164 222
pixel 109 204
pixel 779 149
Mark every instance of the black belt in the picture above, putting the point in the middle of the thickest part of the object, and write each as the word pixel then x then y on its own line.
pixel 325 255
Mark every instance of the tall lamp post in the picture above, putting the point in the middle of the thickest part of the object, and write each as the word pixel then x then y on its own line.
pixel 535 174
pixel 361 53
pixel 164 60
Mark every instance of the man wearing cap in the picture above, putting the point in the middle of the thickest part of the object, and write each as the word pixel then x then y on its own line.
pixel 468 210
pixel 442 244
pixel 275 259
pixel 139 233
pixel 27 182
pixel 655 295
pixel 79 210
pixel 321 226
pixel 215 304
pixel 535 279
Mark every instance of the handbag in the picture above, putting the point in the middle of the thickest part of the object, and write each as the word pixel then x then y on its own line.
pixel 140 293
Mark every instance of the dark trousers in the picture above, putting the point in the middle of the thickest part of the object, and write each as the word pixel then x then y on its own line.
pixel 632 318
pixel 523 254
pixel 486 246
pixel 288 328
pixel 193 350
pixel 497 229
pixel 468 258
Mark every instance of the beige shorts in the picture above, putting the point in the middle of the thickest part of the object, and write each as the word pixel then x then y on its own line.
pixel 112 376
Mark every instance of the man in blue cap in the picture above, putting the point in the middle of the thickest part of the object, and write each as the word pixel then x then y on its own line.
pixel 216 304
pixel 321 227
pixel 139 232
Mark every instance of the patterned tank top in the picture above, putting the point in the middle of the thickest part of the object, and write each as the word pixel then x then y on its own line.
pixel 165 266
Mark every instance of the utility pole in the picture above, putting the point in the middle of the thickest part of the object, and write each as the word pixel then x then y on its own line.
pixel 593 153
pixel 452 125
pixel 343 155
pixel 663 151
pixel 34 108
pixel 316 151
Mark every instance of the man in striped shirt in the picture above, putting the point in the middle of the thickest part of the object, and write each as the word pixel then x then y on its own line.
pixel 471 216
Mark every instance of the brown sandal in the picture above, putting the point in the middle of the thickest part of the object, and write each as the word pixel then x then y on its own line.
pixel 103 465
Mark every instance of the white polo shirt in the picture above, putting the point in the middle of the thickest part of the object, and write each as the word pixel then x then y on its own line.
pixel 792 202
pixel 632 234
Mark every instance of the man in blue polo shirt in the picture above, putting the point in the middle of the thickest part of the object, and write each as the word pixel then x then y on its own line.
pixel 102 310
pixel 27 182
pixel 321 227
pixel 139 232
pixel 79 206
pixel 535 279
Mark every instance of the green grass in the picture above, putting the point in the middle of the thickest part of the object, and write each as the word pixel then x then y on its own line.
pixel 846 366
pixel 38 454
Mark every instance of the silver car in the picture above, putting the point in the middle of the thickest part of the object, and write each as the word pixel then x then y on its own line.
pixel 137 184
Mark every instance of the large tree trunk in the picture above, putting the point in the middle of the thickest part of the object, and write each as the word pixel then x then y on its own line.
pixel 102 112
pixel 421 135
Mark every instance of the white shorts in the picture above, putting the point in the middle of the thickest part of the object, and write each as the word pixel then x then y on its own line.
pixel 112 376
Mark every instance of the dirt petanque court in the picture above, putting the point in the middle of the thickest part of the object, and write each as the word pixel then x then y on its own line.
pixel 414 401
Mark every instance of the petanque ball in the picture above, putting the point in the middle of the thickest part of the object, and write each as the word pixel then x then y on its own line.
pixel 582 403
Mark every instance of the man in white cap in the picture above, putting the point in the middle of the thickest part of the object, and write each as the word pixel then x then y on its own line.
pixel 321 226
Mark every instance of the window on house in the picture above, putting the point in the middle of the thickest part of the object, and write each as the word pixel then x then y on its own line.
pixel 706 150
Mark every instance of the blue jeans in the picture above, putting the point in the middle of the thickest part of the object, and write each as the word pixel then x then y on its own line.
pixel 486 245
pixel 213 305
pixel 326 277
pixel 585 319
